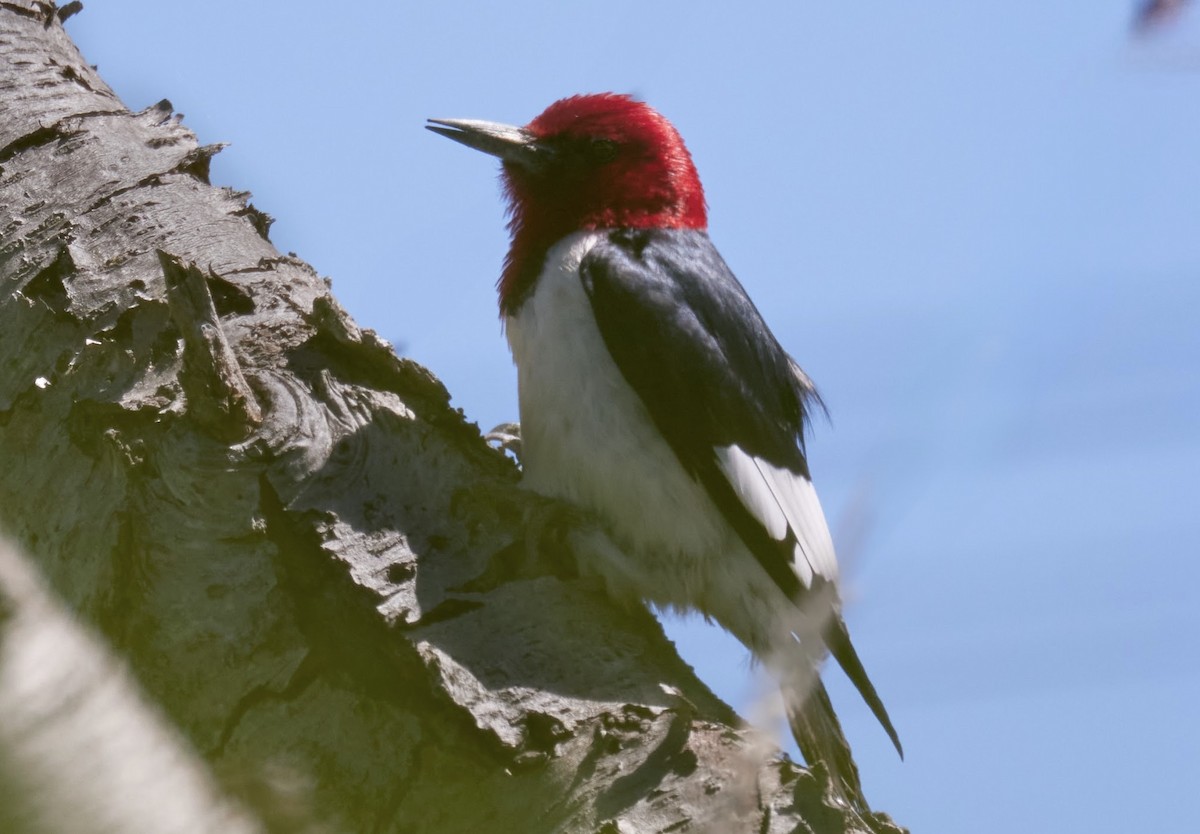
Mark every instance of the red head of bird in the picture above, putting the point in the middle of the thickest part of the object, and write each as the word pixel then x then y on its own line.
pixel 598 161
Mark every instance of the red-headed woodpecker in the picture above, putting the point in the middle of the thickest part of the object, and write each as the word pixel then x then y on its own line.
pixel 654 396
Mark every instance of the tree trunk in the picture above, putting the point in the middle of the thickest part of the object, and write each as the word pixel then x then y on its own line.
pixel 312 563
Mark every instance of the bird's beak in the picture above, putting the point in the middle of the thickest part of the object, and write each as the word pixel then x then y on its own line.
pixel 511 144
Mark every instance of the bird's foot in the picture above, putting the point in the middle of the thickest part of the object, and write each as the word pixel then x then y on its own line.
pixel 542 546
pixel 507 438
pixel 549 524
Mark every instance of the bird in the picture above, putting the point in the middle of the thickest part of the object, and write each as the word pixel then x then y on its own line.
pixel 653 396
pixel 1152 14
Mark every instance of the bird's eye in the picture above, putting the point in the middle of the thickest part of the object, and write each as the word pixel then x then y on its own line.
pixel 603 150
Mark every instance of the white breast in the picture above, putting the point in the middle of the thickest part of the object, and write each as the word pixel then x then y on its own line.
pixel 586 438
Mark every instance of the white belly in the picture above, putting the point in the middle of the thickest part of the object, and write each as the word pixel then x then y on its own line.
pixel 587 439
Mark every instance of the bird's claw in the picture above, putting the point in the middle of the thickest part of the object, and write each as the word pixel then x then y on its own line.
pixel 507 438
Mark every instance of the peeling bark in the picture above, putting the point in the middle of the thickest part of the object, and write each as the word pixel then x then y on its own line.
pixel 309 560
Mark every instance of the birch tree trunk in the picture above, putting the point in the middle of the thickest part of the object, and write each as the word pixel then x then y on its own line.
pixel 311 563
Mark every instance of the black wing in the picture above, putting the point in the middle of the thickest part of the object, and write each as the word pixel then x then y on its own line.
pixel 691 344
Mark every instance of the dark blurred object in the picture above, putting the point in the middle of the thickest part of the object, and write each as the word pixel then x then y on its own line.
pixel 1153 14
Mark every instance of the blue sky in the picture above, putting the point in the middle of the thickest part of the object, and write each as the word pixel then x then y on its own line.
pixel 974 224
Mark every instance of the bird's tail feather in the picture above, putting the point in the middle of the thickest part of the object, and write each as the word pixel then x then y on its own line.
pixel 819 735
pixel 837 638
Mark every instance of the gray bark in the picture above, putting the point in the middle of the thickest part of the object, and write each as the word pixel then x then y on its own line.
pixel 311 563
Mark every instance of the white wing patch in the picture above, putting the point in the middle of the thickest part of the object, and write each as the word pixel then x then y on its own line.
pixel 780 499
